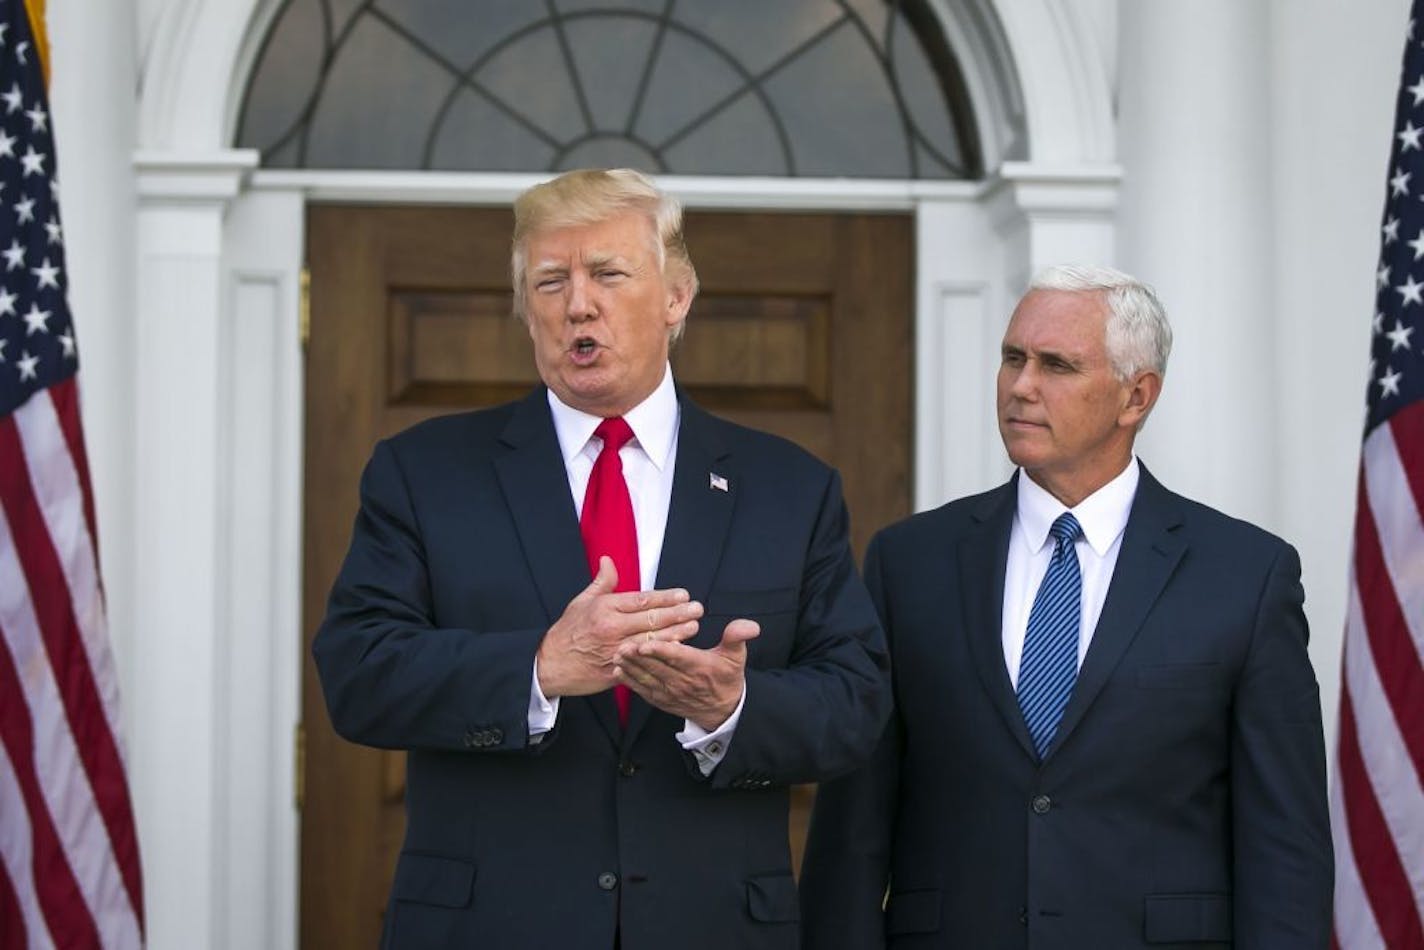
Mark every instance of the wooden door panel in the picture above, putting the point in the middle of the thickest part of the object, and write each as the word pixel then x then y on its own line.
pixel 802 328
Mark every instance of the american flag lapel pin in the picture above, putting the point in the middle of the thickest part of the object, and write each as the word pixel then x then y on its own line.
pixel 717 481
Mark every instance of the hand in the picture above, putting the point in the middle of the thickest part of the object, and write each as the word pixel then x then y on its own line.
pixel 576 657
pixel 701 686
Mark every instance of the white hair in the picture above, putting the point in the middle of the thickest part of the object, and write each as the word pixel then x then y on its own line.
pixel 1138 334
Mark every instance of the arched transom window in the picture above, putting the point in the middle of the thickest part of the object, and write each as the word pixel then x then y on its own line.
pixel 859 88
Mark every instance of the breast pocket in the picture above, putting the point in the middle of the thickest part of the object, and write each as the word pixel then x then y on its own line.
pixel 774 610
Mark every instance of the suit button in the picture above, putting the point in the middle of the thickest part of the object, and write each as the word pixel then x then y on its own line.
pixel 1023 916
pixel 627 769
pixel 470 741
pixel 608 880
pixel 496 736
pixel 1041 804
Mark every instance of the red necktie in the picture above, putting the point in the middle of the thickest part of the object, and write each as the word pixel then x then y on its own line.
pixel 607 522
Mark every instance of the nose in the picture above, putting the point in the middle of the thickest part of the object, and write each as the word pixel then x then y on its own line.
pixel 578 305
pixel 1023 381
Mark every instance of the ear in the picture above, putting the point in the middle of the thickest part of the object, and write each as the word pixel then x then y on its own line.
pixel 1141 393
pixel 679 301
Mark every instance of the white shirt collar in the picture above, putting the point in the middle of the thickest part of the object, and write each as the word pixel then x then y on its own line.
pixel 653 421
pixel 1103 514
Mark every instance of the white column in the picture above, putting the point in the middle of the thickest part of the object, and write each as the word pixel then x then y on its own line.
pixel 1196 222
pixel 177 709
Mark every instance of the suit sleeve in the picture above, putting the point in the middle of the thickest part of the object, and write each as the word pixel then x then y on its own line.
pixel 393 678
pixel 1284 868
pixel 846 870
pixel 821 715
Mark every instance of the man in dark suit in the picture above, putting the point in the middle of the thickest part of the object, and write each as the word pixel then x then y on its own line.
pixel 605 763
pixel 1107 731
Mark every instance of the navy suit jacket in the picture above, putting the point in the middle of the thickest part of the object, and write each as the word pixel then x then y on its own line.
pixel 466 549
pixel 1182 803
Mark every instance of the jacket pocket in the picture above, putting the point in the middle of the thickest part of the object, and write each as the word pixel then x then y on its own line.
pixel 429 879
pixel 771 899
pixel 912 912
pixel 1188 918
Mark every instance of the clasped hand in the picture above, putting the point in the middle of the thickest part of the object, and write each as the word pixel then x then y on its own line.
pixel 636 638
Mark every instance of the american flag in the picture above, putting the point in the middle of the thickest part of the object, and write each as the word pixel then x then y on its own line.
pixel 69 868
pixel 1377 804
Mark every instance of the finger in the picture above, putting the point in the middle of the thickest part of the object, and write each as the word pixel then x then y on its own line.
pixel 633 601
pixel 606 580
pixel 640 682
pixel 736 634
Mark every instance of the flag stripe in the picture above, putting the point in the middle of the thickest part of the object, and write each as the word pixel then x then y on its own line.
pixel 1396 785
pixel 1398 521
pixel 1355 925
pixel 55 482
pixel 68 795
pixel 16 862
pixel 64 909
pixel 1376 859
pixel 49 595
pixel 1395 658
pixel 1407 426
pixel 65 395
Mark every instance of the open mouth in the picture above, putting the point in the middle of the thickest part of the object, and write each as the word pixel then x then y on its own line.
pixel 584 349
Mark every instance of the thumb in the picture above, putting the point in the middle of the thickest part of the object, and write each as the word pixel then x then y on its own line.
pixel 606 580
pixel 736 634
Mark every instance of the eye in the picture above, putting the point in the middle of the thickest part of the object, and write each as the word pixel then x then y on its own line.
pixel 549 284
pixel 1056 365
pixel 610 273
pixel 1013 358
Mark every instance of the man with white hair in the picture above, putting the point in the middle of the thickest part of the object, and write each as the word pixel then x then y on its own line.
pixel 1107 732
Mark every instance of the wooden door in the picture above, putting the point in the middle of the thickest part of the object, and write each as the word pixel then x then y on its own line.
pixel 802 328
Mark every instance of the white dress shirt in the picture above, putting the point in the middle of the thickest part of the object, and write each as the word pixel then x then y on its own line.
pixel 1103 516
pixel 649 460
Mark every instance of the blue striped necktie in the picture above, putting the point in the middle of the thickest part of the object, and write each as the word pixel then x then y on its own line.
pixel 1050 654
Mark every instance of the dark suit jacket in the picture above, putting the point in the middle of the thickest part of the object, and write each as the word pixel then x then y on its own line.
pixel 1182 803
pixel 465 551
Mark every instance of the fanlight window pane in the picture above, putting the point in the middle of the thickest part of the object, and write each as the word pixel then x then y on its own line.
pixel 855 88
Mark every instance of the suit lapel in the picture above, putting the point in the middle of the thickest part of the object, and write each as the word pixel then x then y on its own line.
pixel 536 489
pixel 1149 555
pixel 983 553
pixel 699 517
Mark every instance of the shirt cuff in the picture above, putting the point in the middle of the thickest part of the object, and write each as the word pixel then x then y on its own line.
pixel 709 748
pixel 543 711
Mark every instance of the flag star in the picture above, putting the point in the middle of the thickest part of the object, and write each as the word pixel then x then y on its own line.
pixel 1382 276
pixel 25 210
pixel 7 302
pixel 27 365
pixel 1408 136
pixel 38 117
pixel 66 340
pixel 1409 291
pixel 1417 244
pixel 1417 90
pixel 1379 322
pixel 1399 336
pixel 14 255
pixel 1389 383
pixel 52 226
pixel 33 161
pixel 36 320
pixel 47 273
pixel 7 144
pixel 4 28
pixel 12 99
pixel 21 48
pixel 1399 184
pixel 1391 227
pixel 54 188
pixel 3 344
